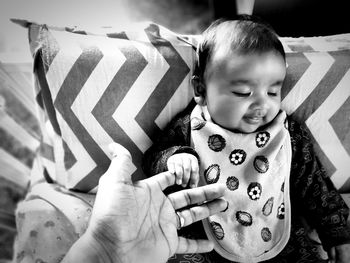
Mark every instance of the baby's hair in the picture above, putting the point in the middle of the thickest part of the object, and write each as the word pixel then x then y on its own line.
pixel 244 35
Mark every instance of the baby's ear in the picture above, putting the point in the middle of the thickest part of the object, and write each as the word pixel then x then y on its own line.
pixel 199 90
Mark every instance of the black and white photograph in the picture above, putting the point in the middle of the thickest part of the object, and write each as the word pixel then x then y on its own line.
pixel 174 131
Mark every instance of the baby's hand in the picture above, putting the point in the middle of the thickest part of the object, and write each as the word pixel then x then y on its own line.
pixel 185 167
pixel 339 254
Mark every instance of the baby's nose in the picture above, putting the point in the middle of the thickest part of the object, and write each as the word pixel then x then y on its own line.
pixel 259 112
pixel 260 104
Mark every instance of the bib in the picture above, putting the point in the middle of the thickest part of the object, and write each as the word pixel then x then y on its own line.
pixel 255 168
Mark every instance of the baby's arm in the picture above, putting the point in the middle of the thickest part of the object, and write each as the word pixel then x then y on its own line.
pixel 185 167
pixel 322 205
pixel 174 139
pixel 339 254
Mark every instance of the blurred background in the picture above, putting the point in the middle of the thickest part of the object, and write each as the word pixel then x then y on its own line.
pixel 291 18
pixel 288 17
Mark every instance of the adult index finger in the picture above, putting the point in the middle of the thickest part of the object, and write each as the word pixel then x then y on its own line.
pixel 164 180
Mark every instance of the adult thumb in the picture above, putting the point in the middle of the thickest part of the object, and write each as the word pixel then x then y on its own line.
pixel 121 167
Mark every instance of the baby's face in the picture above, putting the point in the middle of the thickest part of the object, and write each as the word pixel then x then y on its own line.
pixel 243 92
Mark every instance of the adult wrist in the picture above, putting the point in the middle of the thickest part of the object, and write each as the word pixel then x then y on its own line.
pixel 88 250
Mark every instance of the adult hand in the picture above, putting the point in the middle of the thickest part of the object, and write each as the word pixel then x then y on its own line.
pixel 136 222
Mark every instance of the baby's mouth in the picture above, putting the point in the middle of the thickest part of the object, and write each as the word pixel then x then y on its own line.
pixel 254 119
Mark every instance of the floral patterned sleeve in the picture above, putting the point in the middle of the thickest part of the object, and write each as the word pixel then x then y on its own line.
pixel 321 204
pixel 174 139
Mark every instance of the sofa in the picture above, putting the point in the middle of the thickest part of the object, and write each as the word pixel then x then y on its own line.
pixel 95 87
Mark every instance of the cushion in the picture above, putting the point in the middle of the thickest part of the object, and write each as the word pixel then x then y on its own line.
pixel 96 88
pixel 316 92
pixel 19 128
pixel 124 86
pixel 19 140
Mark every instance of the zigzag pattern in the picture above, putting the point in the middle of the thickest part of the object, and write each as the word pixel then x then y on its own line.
pixel 125 87
pixel 93 111
pixel 319 92
pixel 109 102
pixel 19 129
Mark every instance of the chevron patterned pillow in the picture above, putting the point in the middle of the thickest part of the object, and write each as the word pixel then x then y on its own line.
pixel 96 88
pixel 317 92
pixel 123 86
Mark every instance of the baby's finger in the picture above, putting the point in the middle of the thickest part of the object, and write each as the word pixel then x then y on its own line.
pixel 194 173
pixel 331 255
pixel 186 165
pixel 190 246
pixel 171 167
pixel 179 173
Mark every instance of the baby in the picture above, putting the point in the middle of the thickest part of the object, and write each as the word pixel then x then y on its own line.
pixel 237 134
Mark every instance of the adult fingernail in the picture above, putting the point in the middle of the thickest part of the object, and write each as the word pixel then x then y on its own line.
pixel 226 207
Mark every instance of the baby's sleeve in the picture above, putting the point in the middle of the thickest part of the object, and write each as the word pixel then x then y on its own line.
pixel 322 205
pixel 175 138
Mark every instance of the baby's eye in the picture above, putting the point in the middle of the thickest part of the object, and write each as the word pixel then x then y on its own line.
pixel 241 94
pixel 274 94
